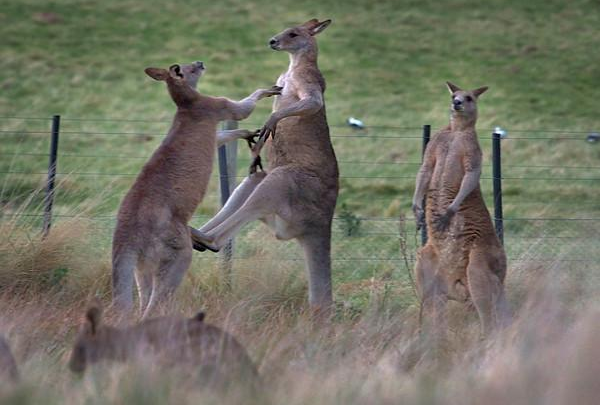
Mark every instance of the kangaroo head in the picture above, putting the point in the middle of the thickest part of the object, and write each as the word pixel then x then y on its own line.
pixel 464 102
pixel 181 79
pixel 88 347
pixel 298 38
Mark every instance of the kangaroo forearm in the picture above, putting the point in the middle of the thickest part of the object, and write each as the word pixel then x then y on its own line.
pixel 422 183
pixel 226 136
pixel 469 182
pixel 243 108
pixel 304 107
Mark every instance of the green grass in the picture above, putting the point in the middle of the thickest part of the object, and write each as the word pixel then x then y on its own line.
pixel 385 62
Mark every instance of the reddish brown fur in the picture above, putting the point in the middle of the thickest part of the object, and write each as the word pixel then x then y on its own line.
pixel 463 258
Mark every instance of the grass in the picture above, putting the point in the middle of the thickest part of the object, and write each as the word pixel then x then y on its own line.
pixel 372 356
pixel 386 63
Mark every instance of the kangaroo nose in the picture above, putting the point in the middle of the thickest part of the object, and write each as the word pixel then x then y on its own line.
pixel 456 102
pixel 200 64
pixel 272 42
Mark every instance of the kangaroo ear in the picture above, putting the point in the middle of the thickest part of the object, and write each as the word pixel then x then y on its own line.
pixel 315 27
pixel 478 92
pixel 453 88
pixel 175 71
pixel 93 318
pixel 157 73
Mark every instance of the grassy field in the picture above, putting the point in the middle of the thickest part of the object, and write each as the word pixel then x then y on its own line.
pixel 385 62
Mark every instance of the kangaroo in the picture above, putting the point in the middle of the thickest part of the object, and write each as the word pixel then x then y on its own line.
pixel 463 258
pixel 296 195
pixel 152 239
pixel 8 367
pixel 168 342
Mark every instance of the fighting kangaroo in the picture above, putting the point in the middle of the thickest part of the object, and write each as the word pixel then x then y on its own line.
pixel 152 239
pixel 463 258
pixel 296 196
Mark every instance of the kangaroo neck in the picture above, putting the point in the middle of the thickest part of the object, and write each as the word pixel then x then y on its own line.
pixel 462 123
pixel 304 57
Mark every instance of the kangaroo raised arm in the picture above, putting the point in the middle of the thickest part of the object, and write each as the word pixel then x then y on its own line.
pixel 296 196
pixel 151 238
pixel 166 341
pixel 463 258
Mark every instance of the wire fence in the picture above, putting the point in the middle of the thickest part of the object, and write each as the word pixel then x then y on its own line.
pixel 551 204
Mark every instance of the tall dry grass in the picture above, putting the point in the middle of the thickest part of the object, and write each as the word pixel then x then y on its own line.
pixel 549 355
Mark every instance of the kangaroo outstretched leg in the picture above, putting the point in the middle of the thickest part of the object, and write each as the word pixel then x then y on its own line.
pixel 269 197
pixel 317 253
pixel 235 201
pixel 167 279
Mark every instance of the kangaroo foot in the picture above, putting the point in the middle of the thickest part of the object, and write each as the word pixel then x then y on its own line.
pixel 199 241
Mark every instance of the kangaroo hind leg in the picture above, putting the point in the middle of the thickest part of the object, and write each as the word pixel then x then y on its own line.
pixel 167 278
pixel 487 293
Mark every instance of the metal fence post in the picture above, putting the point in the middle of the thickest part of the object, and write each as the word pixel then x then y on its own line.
pixel 49 197
pixel 227 175
pixel 497 176
pixel 426 137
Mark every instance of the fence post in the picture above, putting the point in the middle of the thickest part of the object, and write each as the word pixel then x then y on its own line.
pixel 497 176
pixel 49 197
pixel 227 176
pixel 426 137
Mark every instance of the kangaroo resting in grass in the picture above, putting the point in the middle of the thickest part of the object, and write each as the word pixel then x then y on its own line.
pixel 152 239
pixel 463 259
pixel 296 196
pixel 8 367
pixel 168 342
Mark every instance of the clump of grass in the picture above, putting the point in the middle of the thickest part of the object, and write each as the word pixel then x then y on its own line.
pixel 64 262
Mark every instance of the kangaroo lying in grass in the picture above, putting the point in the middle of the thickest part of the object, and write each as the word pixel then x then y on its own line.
pixel 168 342
pixel 8 366
pixel 463 258
pixel 152 240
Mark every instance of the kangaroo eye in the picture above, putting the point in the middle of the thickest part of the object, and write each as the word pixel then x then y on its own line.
pixel 293 35
pixel 469 98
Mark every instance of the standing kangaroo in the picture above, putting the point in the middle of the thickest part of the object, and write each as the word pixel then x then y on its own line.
pixel 463 258
pixel 296 196
pixel 152 239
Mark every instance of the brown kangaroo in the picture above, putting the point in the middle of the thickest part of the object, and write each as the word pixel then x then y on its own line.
pixel 168 342
pixel 296 196
pixel 463 258
pixel 152 239
pixel 8 367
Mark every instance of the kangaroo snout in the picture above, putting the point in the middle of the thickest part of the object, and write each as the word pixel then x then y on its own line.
pixel 457 104
pixel 199 64
pixel 274 43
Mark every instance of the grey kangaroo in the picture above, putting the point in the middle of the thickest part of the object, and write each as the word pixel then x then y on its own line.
pixel 152 240
pixel 296 195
